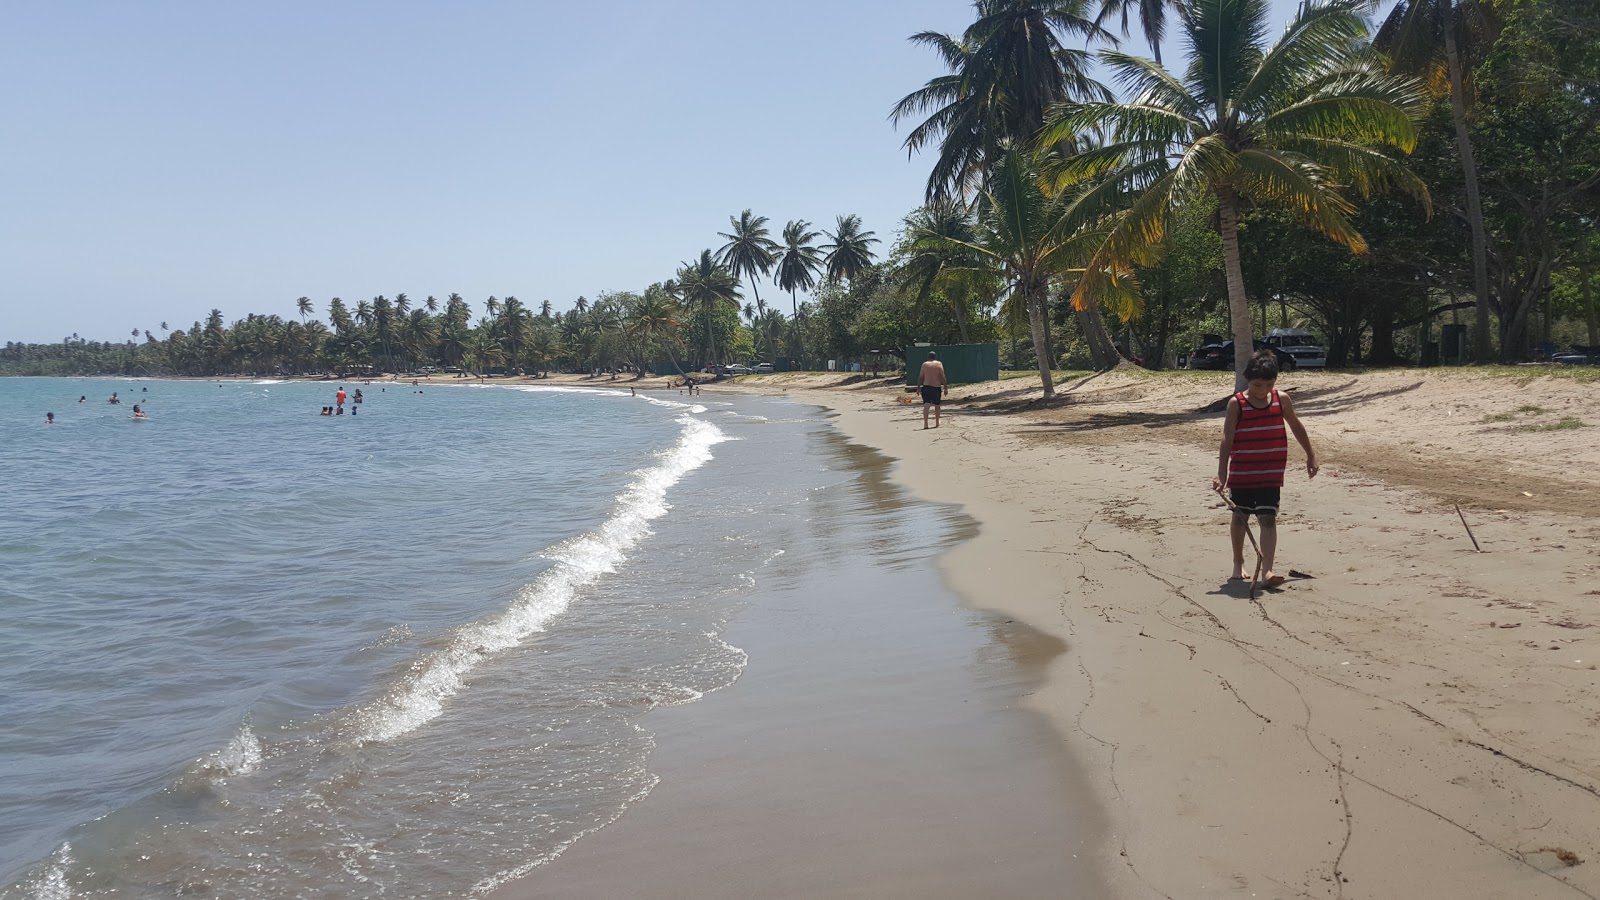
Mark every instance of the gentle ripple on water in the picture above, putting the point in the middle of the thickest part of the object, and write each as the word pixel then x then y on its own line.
pixel 253 651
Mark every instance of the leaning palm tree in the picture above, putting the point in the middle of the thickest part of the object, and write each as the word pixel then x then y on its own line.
pixel 305 306
pixel 750 250
pixel 1442 41
pixel 1287 126
pixel 706 286
pixel 653 319
pixel 1026 236
pixel 1006 70
pixel 851 251
pixel 798 262
pixel 935 254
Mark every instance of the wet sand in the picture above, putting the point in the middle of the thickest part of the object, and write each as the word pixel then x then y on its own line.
pixel 877 745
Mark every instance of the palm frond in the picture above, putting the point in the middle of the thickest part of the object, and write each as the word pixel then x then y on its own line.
pixel 1321 37
pixel 1300 188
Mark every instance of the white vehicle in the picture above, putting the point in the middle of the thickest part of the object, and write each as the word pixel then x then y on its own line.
pixel 1301 345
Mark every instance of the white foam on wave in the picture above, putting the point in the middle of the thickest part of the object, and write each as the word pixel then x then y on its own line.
pixel 241 756
pixel 51 881
pixel 270 381
pixel 579 562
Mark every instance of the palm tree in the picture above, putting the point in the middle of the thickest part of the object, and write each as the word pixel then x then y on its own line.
pixel 1024 234
pixel 653 318
pixel 338 316
pixel 545 310
pixel 1006 70
pixel 383 316
pixel 798 262
pixel 431 304
pixel 305 306
pixel 493 306
pixel 1282 126
pixel 1442 40
pixel 402 305
pixel 750 250
pixel 851 251
pixel 456 310
pixel 704 286
pixel 1152 19
pixel 934 253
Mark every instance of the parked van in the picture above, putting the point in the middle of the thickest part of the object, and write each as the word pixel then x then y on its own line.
pixel 1300 344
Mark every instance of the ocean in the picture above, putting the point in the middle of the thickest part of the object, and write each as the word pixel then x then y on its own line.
pixel 249 650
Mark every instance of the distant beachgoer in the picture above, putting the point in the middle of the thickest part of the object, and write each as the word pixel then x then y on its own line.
pixel 1253 457
pixel 144 390
pixel 353 409
pixel 82 398
pixel 358 396
pixel 114 399
pixel 327 411
pixel 632 392
pixel 934 385
pixel 49 418
pixel 339 398
pixel 137 412
pixel 339 412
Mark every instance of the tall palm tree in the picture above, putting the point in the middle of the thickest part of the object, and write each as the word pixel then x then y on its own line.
pixel 545 310
pixel 338 316
pixel 934 251
pixel 798 261
pixel 1442 41
pixel 705 286
pixel 1006 70
pixel 851 251
pixel 654 319
pixel 431 304
pixel 492 305
pixel 305 306
pixel 1284 126
pixel 513 323
pixel 402 305
pixel 750 250
pixel 1152 16
pixel 1024 234
pixel 456 310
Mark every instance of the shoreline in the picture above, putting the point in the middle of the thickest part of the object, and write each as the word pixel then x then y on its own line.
pixel 1376 731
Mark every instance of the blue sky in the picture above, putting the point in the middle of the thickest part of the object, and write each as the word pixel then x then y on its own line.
pixel 161 159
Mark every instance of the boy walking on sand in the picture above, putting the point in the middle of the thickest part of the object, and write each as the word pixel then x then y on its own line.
pixel 933 383
pixel 1253 457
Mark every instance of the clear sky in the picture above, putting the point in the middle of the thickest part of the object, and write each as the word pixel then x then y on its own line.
pixel 160 159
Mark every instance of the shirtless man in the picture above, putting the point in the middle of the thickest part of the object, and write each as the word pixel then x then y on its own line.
pixel 933 384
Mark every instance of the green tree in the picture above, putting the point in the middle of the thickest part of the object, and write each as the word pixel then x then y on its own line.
pixel 305 306
pixel 1285 126
pixel 750 250
pixel 1442 41
pixel 851 251
pixel 703 286
pixel 798 261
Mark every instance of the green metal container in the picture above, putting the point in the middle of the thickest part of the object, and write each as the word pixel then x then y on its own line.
pixel 963 363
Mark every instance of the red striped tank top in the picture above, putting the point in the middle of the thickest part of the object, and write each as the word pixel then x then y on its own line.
pixel 1260 446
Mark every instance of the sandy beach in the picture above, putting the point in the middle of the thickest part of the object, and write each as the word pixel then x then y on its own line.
pixel 1417 720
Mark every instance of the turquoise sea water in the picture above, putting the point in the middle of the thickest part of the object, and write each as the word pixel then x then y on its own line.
pixel 252 651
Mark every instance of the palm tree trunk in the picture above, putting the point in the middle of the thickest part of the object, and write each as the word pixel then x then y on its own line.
pixel 1102 352
pixel 1035 295
pixel 1469 174
pixel 1238 303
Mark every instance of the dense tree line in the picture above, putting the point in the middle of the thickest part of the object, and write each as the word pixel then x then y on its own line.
pixel 1368 180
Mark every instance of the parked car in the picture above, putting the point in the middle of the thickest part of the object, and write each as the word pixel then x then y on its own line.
pixel 763 368
pixel 1220 356
pixel 737 369
pixel 1300 344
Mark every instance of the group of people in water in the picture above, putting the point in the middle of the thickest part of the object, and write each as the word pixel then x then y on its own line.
pixel 114 400
pixel 338 408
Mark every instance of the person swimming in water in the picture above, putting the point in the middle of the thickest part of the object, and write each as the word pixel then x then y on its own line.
pixel 326 411
pixel 339 399
pixel 82 398
pixel 138 413
pixel 357 397
pixel 49 418
pixel 114 401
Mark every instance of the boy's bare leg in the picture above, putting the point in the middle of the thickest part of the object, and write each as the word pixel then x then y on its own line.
pixel 1236 532
pixel 937 411
pixel 925 416
pixel 1269 546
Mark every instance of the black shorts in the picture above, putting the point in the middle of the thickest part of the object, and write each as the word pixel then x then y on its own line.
pixel 1261 501
pixel 932 394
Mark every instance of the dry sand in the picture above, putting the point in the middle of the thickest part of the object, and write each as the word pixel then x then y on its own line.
pixel 1416 721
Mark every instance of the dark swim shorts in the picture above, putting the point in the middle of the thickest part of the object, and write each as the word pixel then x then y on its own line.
pixel 1261 501
pixel 932 394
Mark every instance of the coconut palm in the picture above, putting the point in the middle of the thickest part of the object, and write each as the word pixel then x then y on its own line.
pixel 750 250
pixel 1286 126
pixel 1442 41
pixel 1025 235
pixel 456 310
pixel 705 286
pixel 338 316
pixel 935 235
pixel 305 306
pixel 851 251
pixel 513 324
pixel 402 305
pixel 431 304
pixel 1152 15
pixel 798 261
pixel 1006 70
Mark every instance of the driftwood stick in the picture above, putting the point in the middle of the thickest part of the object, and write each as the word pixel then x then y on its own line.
pixel 1468 528
pixel 1253 545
